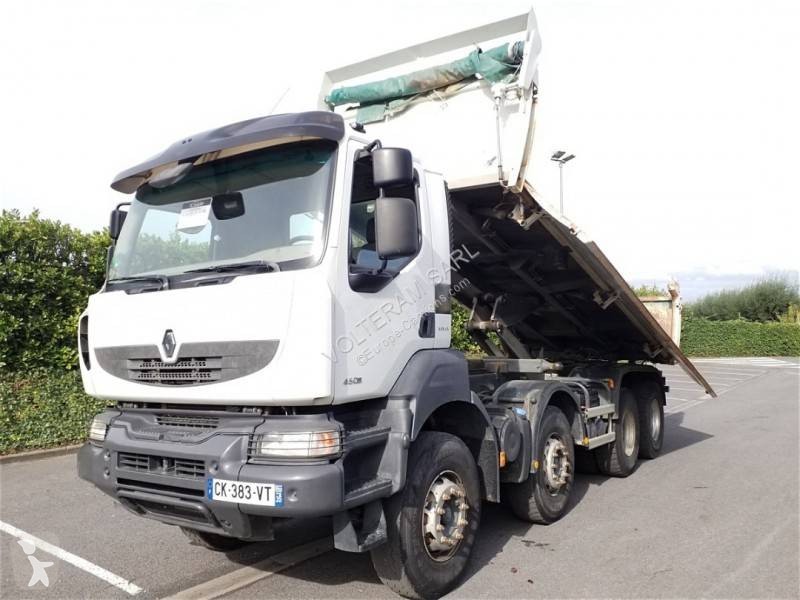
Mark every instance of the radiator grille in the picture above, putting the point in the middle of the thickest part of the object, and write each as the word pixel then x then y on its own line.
pixel 197 363
pixel 189 371
pixel 161 465
pixel 133 462
pixel 193 422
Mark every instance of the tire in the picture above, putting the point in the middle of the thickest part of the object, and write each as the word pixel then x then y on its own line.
pixel 412 563
pixel 213 541
pixel 618 458
pixel 537 499
pixel 650 398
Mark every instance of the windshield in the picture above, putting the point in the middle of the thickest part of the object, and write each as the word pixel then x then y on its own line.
pixel 271 205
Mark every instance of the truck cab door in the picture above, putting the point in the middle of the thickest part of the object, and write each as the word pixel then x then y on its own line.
pixel 377 331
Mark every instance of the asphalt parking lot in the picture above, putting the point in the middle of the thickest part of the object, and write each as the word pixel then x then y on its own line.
pixel 715 516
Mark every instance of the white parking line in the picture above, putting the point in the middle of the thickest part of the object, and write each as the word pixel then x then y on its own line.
pixel 679 383
pixel 684 386
pixel 240 578
pixel 734 377
pixel 77 561
pixel 729 374
pixel 676 409
pixel 746 361
pixel 732 374
pixel 713 378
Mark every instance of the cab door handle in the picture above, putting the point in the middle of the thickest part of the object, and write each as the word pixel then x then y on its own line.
pixel 427 325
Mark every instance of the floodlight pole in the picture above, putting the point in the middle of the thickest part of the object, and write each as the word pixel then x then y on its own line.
pixel 561 157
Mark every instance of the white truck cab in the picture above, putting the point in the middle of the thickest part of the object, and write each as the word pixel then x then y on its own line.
pixel 266 261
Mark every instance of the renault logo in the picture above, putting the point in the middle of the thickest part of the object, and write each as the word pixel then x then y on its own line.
pixel 169 343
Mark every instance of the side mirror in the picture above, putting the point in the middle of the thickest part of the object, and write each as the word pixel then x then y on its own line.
pixel 392 167
pixel 396 228
pixel 116 222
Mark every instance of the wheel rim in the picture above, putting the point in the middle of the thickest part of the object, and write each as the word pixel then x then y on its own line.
pixel 655 419
pixel 629 432
pixel 445 516
pixel 557 469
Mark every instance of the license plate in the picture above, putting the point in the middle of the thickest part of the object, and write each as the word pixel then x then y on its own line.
pixel 244 492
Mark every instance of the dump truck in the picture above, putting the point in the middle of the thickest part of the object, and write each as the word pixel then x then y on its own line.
pixel 274 334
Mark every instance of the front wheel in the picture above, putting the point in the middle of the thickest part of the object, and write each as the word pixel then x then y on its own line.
pixel 432 522
pixel 543 497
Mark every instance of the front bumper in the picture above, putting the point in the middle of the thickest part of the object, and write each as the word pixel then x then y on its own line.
pixel 167 480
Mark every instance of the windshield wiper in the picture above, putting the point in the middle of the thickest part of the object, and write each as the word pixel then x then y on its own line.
pixel 162 279
pixel 255 266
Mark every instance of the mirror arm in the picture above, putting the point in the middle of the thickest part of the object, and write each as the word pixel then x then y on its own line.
pixel 367 150
pixel 384 262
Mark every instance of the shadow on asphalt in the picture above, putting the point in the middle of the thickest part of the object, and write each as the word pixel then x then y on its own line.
pixel 679 437
pixel 498 526
pixel 290 533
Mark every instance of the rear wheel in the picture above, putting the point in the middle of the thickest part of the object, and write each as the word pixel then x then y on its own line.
pixel 543 497
pixel 651 419
pixel 432 522
pixel 213 541
pixel 619 457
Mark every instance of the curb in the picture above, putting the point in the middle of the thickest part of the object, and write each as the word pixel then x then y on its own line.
pixel 36 454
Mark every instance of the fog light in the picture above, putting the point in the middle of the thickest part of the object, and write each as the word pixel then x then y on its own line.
pixel 97 430
pixel 302 444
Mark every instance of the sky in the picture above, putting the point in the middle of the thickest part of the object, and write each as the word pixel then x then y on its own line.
pixel 683 115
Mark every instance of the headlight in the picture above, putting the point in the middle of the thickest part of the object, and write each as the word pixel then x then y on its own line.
pixel 302 444
pixel 97 430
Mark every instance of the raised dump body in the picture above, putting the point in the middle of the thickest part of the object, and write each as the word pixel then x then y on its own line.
pixel 466 104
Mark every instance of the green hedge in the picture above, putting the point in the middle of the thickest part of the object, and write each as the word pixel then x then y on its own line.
pixel 460 339
pixel 47 272
pixel 43 408
pixel 763 301
pixel 703 337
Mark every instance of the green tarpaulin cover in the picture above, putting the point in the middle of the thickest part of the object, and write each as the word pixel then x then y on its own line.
pixel 375 99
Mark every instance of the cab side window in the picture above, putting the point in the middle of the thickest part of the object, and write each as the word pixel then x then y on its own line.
pixel 363 254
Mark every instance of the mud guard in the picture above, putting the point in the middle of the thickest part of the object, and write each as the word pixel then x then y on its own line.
pixel 435 383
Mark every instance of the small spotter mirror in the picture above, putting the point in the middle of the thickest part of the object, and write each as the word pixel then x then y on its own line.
pixel 392 167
